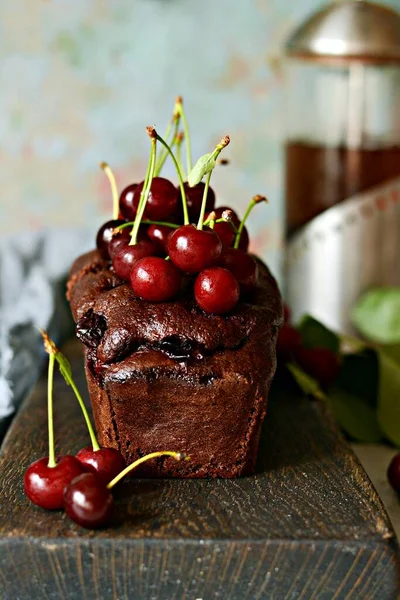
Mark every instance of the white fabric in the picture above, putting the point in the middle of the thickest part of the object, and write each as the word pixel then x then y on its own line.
pixel 33 270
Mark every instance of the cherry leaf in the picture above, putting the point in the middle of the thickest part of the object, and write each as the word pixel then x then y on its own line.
pixel 392 351
pixel 377 315
pixel 315 335
pixel 359 376
pixel 389 396
pixel 204 165
pixel 306 383
pixel 355 416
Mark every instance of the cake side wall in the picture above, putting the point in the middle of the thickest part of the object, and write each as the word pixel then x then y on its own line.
pixel 214 412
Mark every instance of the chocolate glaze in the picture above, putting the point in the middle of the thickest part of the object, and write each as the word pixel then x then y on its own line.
pixel 168 376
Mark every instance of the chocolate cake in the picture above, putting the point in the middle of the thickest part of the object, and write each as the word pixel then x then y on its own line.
pixel 168 376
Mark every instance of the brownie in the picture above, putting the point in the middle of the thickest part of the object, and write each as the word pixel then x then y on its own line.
pixel 168 376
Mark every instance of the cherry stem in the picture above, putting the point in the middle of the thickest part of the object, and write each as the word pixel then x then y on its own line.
pixel 144 195
pixel 179 104
pixel 52 453
pixel 147 222
pixel 204 202
pixel 256 200
pixel 93 439
pixel 207 221
pixel 223 143
pixel 180 178
pixel 114 190
pixel 178 152
pixel 175 116
pixel 211 220
pixel 171 122
pixel 66 372
pixel 232 224
pixel 146 178
pixel 129 468
pixel 176 120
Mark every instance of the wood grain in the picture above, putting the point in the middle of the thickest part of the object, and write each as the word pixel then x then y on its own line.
pixel 308 525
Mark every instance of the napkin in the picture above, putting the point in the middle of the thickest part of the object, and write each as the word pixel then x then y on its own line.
pixel 33 271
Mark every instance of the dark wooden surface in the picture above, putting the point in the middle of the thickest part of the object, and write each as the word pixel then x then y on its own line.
pixel 308 525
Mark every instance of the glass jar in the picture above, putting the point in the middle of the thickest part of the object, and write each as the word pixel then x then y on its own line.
pixel 343 134
pixel 342 159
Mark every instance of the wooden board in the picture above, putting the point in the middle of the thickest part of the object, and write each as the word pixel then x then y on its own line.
pixel 308 525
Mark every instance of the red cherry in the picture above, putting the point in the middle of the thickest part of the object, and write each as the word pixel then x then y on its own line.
pixel 104 236
pixel 194 199
pixel 320 363
pixel 288 340
pixel 216 290
pixel 177 217
pixel 159 235
pixel 106 463
pixel 121 237
pixel 44 485
pixel 126 256
pixel 286 313
pixel 162 201
pixel 88 502
pixel 242 266
pixel 393 473
pixel 221 209
pixel 128 202
pixel 155 279
pixel 226 232
pixel 244 240
pixel 193 250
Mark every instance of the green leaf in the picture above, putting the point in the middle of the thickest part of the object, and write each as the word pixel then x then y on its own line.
pixel 393 351
pixel 65 367
pixel 204 165
pixel 314 335
pixel 358 376
pixel 389 397
pixel 355 416
pixel 307 384
pixel 377 315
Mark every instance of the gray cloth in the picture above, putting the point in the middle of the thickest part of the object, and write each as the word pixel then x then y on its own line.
pixel 33 270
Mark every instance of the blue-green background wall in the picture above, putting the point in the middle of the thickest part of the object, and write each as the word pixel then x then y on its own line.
pixel 81 79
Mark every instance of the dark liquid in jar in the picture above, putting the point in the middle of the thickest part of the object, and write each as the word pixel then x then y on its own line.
pixel 318 177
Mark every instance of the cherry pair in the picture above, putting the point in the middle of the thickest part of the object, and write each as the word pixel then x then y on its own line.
pixel 45 483
pixel 46 478
pixel 216 289
pixel 81 485
pixel 88 499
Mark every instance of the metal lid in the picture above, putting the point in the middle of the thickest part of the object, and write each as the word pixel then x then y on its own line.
pixel 349 30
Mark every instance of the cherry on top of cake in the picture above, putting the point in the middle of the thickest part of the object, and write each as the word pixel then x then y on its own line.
pixel 161 234
pixel 113 320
